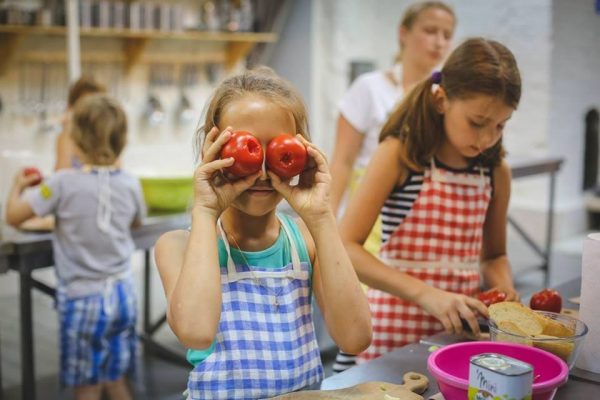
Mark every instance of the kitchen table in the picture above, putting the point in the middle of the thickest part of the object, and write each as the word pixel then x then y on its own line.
pixel 392 366
pixel 24 252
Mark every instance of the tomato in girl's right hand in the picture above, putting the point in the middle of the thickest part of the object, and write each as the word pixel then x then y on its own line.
pixel 286 156
pixel 247 152
pixel 491 296
pixel 28 171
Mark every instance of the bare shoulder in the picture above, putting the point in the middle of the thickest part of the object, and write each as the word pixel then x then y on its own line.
pixel 503 170
pixel 172 242
pixel 386 163
pixel 502 175
pixel 308 239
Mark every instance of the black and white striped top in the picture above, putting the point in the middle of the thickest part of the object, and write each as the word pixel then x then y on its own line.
pixel 399 203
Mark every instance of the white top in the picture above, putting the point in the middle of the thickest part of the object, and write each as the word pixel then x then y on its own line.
pixel 367 105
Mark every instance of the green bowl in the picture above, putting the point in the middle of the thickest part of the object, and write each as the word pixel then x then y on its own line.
pixel 167 193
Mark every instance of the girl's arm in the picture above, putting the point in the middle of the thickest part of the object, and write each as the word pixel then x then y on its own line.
pixel 18 210
pixel 188 264
pixel 347 146
pixel 383 173
pixel 495 266
pixel 64 149
pixel 338 292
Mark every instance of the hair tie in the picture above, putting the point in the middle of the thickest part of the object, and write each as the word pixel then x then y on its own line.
pixel 436 77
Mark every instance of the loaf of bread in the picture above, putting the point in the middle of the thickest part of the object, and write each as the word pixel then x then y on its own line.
pixel 515 318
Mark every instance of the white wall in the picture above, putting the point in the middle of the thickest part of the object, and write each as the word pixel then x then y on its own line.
pixel 575 87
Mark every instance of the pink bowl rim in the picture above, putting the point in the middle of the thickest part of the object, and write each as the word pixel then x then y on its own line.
pixel 438 373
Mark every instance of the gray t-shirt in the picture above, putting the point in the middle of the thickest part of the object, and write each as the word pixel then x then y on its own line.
pixel 90 248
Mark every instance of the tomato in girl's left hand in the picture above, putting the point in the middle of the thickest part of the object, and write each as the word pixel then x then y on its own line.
pixel 546 300
pixel 491 296
pixel 246 151
pixel 286 156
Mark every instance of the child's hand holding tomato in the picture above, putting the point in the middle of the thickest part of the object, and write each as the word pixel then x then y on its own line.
pixel 28 176
pixel 310 198
pixel 213 193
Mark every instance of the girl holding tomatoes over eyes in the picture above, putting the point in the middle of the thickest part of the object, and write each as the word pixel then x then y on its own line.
pixel 239 282
pixel 441 187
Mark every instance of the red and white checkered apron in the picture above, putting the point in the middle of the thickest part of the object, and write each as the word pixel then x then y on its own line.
pixel 438 242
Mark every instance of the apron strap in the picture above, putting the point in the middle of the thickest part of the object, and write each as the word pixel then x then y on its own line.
pixel 295 257
pixel 232 273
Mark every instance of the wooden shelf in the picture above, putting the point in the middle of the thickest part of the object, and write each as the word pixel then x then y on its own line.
pixel 237 44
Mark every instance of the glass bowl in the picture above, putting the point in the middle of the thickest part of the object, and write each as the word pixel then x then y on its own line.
pixel 567 348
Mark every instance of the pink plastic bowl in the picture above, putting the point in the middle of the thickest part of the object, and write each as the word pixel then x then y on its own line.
pixel 450 367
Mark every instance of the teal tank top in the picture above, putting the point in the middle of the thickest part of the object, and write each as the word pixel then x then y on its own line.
pixel 277 255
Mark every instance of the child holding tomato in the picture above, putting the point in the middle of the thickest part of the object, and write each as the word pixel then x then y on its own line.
pixel 440 184
pixel 95 207
pixel 239 282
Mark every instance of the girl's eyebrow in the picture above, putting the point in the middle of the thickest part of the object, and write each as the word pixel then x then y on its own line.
pixel 487 119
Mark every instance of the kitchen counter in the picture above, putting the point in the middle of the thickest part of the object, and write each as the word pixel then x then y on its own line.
pixel 392 366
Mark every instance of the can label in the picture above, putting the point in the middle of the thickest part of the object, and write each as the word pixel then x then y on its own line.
pixel 497 377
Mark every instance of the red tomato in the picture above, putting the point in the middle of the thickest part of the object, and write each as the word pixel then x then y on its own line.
pixel 546 300
pixel 34 171
pixel 491 296
pixel 246 151
pixel 286 156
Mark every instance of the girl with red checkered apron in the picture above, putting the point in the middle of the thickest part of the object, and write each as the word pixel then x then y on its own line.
pixel 239 283
pixel 441 187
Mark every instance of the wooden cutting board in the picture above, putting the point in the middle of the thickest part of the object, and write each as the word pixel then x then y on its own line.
pixel 413 383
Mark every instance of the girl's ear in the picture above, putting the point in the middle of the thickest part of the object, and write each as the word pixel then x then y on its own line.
pixel 440 100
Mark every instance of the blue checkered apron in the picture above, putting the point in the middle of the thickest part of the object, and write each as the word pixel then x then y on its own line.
pixel 266 343
pixel 98 342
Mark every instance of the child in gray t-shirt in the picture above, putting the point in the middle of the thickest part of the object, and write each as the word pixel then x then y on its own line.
pixel 95 207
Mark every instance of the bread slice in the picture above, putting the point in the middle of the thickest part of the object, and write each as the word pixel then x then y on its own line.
pixel 527 321
pixel 511 327
pixel 555 328
pixel 561 349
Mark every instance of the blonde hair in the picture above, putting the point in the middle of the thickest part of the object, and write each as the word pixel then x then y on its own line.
pixel 263 82
pixel 412 13
pixel 99 128
pixel 477 66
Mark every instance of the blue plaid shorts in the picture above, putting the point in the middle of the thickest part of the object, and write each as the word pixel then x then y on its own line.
pixel 98 341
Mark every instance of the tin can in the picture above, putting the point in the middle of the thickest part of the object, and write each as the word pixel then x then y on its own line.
pixel 495 376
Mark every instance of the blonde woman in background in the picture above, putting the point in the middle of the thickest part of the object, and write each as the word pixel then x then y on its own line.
pixel 424 33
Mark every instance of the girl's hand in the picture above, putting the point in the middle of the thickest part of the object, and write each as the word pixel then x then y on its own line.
pixel 213 191
pixel 22 180
pixel 310 198
pixel 511 293
pixel 449 308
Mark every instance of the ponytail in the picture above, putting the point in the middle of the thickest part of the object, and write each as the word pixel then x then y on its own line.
pixel 417 124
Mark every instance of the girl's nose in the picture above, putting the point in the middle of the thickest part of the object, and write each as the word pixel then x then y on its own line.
pixel 441 39
pixel 263 171
pixel 487 139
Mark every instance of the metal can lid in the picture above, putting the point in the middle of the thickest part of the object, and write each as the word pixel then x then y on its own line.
pixel 501 364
